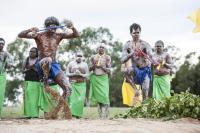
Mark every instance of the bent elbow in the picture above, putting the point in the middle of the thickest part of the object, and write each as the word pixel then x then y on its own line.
pixel 77 34
pixel 20 35
pixel 123 60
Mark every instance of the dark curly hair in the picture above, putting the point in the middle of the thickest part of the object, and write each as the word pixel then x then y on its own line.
pixel 51 21
pixel 1 39
pixel 135 26
pixel 160 42
pixel 36 49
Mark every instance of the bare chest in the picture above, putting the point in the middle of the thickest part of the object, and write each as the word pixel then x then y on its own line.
pixel 160 57
pixel 100 60
pixel 46 41
pixel 78 67
pixel 2 56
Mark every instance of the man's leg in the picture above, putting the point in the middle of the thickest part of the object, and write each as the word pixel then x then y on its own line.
pixel 145 87
pixel 63 82
pixel 100 112
pixel 60 79
pixel 45 64
pixel 151 84
pixel 105 110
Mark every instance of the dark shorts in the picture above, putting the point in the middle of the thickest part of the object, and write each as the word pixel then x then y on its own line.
pixel 54 70
pixel 141 73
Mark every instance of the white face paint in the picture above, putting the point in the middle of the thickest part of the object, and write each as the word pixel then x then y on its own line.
pixel 101 48
pixel 2 42
pixel 79 57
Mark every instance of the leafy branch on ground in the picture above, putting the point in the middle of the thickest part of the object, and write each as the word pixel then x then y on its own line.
pixel 177 106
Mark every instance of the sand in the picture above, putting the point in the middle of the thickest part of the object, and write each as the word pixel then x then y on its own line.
pixel 184 125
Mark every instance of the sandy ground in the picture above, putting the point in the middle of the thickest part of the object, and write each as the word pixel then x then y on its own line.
pixel 186 125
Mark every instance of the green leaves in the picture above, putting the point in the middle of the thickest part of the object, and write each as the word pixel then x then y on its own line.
pixel 188 75
pixel 19 51
pixel 179 105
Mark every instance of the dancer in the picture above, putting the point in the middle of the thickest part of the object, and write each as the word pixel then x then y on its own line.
pixel 161 82
pixel 99 80
pixel 47 66
pixel 140 53
pixel 78 72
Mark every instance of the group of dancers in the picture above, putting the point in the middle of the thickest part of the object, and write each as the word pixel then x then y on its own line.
pixel 44 76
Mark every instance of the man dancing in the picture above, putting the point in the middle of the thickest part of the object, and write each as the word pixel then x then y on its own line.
pixel 140 54
pixel 47 44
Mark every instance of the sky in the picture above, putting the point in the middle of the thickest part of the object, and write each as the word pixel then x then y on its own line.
pixel 159 19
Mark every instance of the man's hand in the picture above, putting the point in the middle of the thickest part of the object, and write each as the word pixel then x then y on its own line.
pixel 96 66
pixel 34 29
pixel 68 24
pixel 155 63
pixel 103 68
pixel 162 71
pixel 92 68
pixel 137 93
pixel 77 72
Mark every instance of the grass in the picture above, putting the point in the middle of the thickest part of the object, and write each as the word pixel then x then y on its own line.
pixel 12 112
pixel 89 112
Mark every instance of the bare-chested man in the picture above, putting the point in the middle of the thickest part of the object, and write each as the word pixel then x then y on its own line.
pixel 161 82
pixel 78 71
pixel 47 44
pixel 99 80
pixel 135 50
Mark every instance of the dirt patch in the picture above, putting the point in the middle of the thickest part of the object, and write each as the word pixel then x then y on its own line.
pixel 185 125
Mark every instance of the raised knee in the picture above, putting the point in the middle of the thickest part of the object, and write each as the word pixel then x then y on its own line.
pixel 46 61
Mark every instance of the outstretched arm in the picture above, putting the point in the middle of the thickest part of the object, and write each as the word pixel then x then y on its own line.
pixel 30 33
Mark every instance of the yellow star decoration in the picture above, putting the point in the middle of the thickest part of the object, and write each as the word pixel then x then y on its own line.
pixel 195 18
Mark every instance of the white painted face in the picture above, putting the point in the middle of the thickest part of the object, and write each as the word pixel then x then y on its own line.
pixel 79 57
pixel 101 49
pixel 136 34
